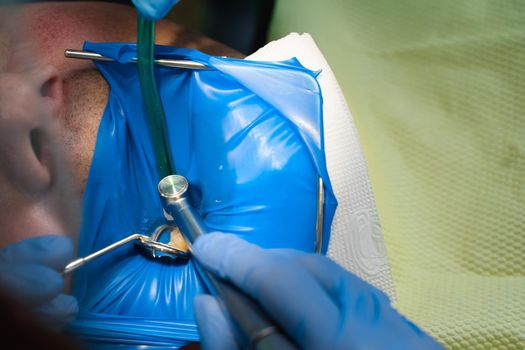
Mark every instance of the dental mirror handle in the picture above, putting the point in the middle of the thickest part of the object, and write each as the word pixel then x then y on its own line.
pixel 255 329
pixel 75 264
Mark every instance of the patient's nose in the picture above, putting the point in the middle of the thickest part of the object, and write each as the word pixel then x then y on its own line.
pixel 29 102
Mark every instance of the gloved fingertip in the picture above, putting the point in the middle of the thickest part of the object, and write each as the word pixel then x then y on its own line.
pixel 208 244
pixel 212 250
pixel 203 242
pixel 54 251
pixel 30 283
pixel 214 326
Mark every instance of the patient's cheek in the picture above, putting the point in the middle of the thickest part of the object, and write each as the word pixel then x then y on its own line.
pixel 85 98
pixel 34 223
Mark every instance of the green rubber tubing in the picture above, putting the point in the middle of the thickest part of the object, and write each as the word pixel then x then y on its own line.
pixel 150 95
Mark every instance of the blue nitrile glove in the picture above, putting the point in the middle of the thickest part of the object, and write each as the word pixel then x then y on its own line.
pixel 315 301
pixel 30 271
pixel 154 9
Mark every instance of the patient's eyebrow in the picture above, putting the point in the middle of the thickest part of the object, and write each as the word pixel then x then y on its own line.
pixel 17 47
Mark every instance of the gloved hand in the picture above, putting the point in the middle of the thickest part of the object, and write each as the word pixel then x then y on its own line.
pixel 315 301
pixel 30 271
pixel 154 9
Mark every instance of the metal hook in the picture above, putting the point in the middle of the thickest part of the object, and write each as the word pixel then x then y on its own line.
pixel 151 243
pixel 86 55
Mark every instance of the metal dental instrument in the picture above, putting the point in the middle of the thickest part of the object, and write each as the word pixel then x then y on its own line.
pixel 320 216
pixel 150 243
pixel 86 55
pixel 255 330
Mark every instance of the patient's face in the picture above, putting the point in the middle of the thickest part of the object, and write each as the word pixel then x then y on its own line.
pixel 50 108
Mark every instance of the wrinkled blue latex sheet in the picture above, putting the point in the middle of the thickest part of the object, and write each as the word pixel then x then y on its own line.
pixel 247 135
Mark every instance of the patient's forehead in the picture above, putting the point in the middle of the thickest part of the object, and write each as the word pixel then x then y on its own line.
pixel 53 27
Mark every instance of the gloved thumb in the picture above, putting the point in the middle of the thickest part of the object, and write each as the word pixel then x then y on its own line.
pixel 59 312
pixel 214 326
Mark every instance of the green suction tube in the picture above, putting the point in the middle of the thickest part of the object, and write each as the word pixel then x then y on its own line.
pixel 151 97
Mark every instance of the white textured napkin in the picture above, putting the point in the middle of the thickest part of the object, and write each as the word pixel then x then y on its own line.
pixel 356 240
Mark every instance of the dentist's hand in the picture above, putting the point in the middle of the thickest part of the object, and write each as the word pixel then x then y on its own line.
pixel 315 301
pixel 30 271
pixel 154 9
